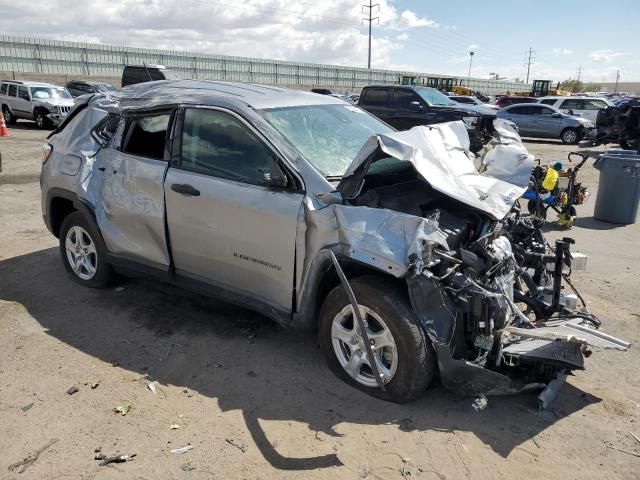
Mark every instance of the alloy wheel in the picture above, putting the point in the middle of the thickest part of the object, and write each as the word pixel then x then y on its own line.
pixel 81 252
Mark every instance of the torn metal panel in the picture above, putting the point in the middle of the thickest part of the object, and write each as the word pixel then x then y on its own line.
pixel 571 331
pixel 439 153
pixel 509 159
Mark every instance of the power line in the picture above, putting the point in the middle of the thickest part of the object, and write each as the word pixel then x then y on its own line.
pixel 370 20
pixel 529 60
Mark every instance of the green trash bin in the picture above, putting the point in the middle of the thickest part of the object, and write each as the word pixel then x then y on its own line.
pixel 619 190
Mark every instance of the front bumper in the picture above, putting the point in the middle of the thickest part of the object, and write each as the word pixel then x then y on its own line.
pixel 56 118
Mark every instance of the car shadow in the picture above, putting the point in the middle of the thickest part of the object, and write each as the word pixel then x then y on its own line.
pixel 543 142
pixel 593 224
pixel 248 363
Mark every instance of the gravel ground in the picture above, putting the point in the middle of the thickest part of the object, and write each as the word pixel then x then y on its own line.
pixel 256 401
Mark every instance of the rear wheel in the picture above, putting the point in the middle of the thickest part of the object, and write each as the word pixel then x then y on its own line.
pixel 8 116
pixel 570 136
pixel 402 352
pixel 537 209
pixel 83 252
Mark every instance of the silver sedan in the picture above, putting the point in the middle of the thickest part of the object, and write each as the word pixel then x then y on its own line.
pixel 542 121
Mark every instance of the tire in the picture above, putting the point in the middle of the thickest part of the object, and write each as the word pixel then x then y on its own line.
pixel 82 236
pixel 414 355
pixel 570 136
pixel 42 122
pixel 8 116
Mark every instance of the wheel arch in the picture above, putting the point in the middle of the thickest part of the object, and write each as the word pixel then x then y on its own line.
pixel 61 203
pixel 322 278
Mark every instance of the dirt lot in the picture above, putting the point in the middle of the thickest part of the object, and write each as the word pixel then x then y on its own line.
pixel 230 378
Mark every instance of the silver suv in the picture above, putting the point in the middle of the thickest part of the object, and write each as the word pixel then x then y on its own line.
pixel 318 215
pixel 44 103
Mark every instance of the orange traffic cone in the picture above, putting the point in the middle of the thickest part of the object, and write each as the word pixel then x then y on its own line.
pixel 4 131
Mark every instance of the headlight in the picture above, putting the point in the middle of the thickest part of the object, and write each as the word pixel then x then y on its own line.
pixel 470 121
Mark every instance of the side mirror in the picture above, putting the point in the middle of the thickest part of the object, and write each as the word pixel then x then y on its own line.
pixel 570 112
pixel 416 106
pixel 556 115
pixel 275 177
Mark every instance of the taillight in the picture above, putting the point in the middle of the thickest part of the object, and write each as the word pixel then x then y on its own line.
pixel 47 150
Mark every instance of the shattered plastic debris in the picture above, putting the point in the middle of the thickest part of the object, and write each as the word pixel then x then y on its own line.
pixel 28 407
pixel 95 384
pixel 72 390
pixel 181 450
pixel 238 444
pixel 480 403
pixel 152 386
pixel 174 426
pixel 122 409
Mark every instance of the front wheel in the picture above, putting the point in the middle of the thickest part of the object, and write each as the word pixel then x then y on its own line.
pixel 402 352
pixel 41 119
pixel 570 136
pixel 8 116
pixel 83 252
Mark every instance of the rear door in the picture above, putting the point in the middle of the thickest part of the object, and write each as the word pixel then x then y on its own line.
pixel 591 107
pixel 520 116
pixel 226 228
pixel 374 100
pixel 130 205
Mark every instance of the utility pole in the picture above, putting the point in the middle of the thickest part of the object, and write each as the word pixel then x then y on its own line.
pixel 370 18
pixel 579 73
pixel 469 74
pixel 529 60
pixel 615 90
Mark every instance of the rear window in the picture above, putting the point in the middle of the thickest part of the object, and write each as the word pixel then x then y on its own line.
pixel 145 135
pixel 3 88
pixel 548 101
pixel 374 97
pixel 572 104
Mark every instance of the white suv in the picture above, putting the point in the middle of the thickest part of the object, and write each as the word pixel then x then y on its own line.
pixel 586 107
pixel 44 103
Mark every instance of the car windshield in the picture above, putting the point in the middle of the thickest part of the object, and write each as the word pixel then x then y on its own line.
pixel 171 75
pixel 434 97
pixel 328 136
pixel 46 93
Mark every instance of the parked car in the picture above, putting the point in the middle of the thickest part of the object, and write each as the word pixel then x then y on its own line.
pixel 505 101
pixel 132 74
pixel 587 107
pixel 405 106
pixel 83 87
pixel 471 100
pixel 44 103
pixel 320 216
pixel 543 121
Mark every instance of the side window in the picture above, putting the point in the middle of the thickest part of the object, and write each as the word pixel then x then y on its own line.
pixel 402 98
pixel 106 128
pixel 145 135
pixel 519 110
pixel 548 101
pixel 571 104
pixel 13 90
pixel 375 97
pixel 23 93
pixel 3 88
pixel 218 144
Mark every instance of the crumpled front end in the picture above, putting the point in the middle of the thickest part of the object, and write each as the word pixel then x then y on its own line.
pixel 486 287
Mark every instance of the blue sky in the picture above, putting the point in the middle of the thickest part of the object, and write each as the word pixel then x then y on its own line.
pixel 565 35
pixel 424 36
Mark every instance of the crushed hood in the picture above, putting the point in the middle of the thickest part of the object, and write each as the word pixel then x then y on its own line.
pixel 440 155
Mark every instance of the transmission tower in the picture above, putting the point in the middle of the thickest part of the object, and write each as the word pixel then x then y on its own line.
pixel 530 57
pixel 369 19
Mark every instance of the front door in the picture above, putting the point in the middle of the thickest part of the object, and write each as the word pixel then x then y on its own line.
pixel 23 103
pixel 226 227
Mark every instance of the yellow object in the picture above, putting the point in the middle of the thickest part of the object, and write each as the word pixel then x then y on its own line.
pixel 565 220
pixel 460 90
pixel 550 179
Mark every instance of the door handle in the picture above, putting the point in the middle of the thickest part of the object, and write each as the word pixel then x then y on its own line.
pixel 185 189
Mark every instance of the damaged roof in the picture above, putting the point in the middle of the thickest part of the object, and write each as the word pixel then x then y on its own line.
pixel 195 92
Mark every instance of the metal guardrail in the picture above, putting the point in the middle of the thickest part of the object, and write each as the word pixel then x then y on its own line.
pixel 55 57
